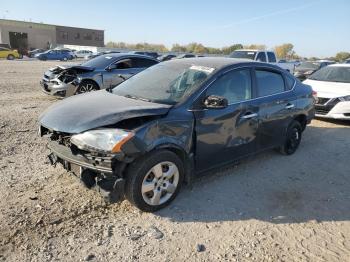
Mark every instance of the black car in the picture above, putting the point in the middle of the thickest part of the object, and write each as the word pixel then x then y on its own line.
pixel 305 69
pixel 174 121
pixel 186 56
pixel 166 57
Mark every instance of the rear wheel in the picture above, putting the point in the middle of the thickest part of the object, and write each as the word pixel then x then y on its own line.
pixel 154 181
pixel 293 138
pixel 86 86
pixel 10 57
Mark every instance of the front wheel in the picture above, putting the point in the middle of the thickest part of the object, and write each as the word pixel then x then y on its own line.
pixel 154 180
pixel 293 138
pixel 10 57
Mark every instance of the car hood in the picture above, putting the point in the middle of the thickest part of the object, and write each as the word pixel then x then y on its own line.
pixel 329 89
pixel 78 67
pixel 96 109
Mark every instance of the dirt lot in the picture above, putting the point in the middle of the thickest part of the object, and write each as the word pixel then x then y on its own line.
pixel 268 208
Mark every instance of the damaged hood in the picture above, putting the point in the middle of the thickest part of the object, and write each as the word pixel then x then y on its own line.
pixel 96 109
pixel 61 68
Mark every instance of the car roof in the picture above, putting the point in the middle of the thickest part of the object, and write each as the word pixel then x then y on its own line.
pixel 120 55
pixel 340 65
pixel 216 62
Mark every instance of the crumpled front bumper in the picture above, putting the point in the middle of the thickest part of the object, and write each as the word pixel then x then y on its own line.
pixel 94 172
pixel 58 88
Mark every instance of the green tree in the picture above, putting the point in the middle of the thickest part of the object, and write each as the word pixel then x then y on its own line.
pixel 285 51
pixel 341 56
pixel 229 49
pixel 255 46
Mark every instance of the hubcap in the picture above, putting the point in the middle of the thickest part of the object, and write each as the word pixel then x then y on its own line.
pixel 160 183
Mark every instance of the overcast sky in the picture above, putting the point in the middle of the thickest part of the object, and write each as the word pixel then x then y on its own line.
pixel 315 27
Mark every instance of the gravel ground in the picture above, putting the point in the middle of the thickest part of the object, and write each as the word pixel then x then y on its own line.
pixel 268 208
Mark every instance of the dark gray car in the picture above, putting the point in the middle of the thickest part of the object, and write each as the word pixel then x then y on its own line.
pixel 175 121
pixel 102 72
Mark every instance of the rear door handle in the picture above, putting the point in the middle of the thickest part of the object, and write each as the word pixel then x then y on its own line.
pixel 249 115
pixel 289 106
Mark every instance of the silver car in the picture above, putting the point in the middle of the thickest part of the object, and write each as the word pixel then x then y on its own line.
pixel 102 72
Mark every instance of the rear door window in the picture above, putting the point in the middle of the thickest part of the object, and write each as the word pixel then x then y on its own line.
pixel 269 82
pixel 142 62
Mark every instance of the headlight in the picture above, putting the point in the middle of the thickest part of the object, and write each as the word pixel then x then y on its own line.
pixel 344 98
pixel 308 72
pixel 102 140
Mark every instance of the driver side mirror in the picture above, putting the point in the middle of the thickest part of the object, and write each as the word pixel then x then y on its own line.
pixel 111 67
pixel 215 102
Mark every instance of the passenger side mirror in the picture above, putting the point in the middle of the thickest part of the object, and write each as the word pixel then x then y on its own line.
pixel 111 67
pixel 215 102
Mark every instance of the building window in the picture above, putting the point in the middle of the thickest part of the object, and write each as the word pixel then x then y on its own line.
pixel 77 36
pixel 87 36
pixel 99 37
pixel 64 35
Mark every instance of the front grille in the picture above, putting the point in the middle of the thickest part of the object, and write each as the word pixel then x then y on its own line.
pixel 322 110
pixel 322 100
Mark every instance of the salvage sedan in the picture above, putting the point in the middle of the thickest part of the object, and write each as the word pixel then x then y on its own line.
pixel 102 72
pixel 172 122
pixel 332 84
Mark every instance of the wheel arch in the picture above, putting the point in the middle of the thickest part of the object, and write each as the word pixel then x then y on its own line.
pixel 302 119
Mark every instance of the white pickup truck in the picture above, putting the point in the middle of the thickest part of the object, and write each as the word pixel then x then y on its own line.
pixel 262 56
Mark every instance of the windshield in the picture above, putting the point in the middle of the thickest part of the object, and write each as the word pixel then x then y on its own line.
pixel 309 65
pixel 243 54
pixel 332 74
pixel 165 83
pixel 100 62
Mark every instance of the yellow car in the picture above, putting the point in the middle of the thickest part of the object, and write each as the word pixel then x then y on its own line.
pixel 9 54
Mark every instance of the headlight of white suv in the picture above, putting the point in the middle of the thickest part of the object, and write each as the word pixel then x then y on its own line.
pixel 102 140
pixel 344 98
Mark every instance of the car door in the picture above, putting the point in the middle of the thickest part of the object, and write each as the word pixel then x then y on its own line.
pixel 223 135
pixel 117 72
pixel 276 106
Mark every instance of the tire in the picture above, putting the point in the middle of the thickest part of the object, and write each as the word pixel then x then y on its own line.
pixel 44 58
pixel 87 86
pixel 293 138
pixel 10 57
pixel 148 191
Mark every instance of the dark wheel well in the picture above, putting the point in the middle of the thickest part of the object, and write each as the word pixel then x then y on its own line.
pixel 302 120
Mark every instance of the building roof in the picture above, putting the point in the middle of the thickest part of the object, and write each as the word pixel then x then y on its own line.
pixel 35 24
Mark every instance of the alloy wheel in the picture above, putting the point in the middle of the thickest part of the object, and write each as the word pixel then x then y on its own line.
pixel 84 88
pixel 160 183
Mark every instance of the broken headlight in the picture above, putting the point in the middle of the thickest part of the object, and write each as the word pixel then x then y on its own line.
pixel 102 140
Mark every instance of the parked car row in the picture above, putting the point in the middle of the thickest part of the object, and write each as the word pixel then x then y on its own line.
pixel 142 137
pixel 307 68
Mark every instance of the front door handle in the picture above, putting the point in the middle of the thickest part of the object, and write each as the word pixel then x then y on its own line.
pixel 249 115
pixel 289 106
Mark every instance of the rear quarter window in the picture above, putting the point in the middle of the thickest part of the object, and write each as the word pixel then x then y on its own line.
pixel 290 82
